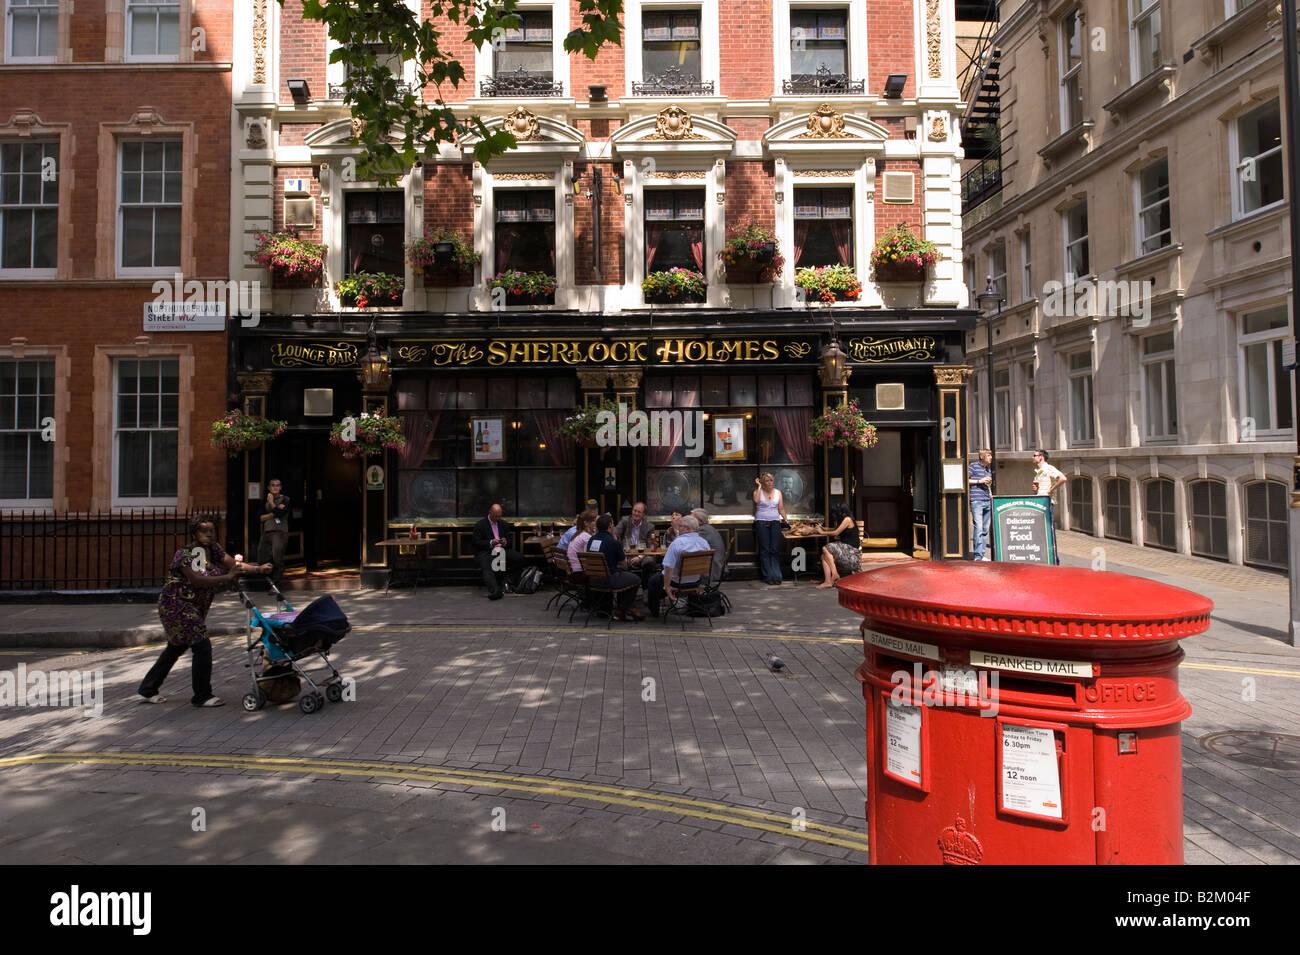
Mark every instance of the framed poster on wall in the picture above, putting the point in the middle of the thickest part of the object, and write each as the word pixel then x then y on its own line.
pixel 729 439
pixel 486 436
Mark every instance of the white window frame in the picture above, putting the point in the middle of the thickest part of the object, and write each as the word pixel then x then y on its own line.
pixel 36 502
pixel 151 501
pixel 1138 14
pixel 36 273
pixel 1070 75
pixel 781 58
pixel 710 57
pixel 1167 235
pixel 979 412
pixel 44 9
pixel 119 248
pixel 1072 241
pixel 1087 414
pixel 485 65
pixel 1273 338
pixel 1162 406
pixel 996 258
pixel 128 55
pixel 1002 406
pixel 1026 266
pixel 1239 162
pixel 1029 434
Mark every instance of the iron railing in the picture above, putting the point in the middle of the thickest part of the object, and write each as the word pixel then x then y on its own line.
pixel 340 90
pixel 520 82
pixel 983 180
pixel 122 549
pixel 673 82
pixel 823 82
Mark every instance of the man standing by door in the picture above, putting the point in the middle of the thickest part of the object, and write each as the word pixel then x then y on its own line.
pixel 980 478
pixel 275 529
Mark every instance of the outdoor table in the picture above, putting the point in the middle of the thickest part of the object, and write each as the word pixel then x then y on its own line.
pixel 818 536
pixel 406 547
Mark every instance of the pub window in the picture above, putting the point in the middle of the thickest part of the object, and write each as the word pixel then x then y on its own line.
pixel 823 227
pixel 375 232
pixel 525 230
pixel 442 471
pixel 674 230
pixel 770 427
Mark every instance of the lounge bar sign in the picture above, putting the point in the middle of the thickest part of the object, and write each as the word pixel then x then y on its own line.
pixel 303 354
pixel 872 348
pixel 618 351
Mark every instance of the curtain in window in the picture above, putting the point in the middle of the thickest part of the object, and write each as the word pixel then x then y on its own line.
pixel 697 248
pixel 558 449
pixel 419 427
pixel 840 232
pixel 800 238
pixel 654 233
pixel 506 237
pixel 792 428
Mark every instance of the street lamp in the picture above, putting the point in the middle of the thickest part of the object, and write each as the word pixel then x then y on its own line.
pixel 986 300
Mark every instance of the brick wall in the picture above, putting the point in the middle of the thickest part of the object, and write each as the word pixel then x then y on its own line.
pixel 611 226
pixel 745 49
pixel 606 69
pixel 302 53
pixel 452 42
pixel 890 214
pixel 297 172
pixel 749 127
pixel 751 194
pixel 890 44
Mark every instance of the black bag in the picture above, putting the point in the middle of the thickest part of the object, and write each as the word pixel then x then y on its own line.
pixel 706 605
pixel 529 580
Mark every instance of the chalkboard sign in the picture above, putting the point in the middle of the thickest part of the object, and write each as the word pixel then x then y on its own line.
pixel 1022 531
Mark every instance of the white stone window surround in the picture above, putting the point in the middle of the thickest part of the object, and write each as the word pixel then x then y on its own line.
pixel 19 350
pixel 1267 336
pixel 710 58
pixel 1141 14
pixel 185 14
pixel 484 63
pixel 23 127
pixel 1071 76
pixel 335 75
pixel 857 38
pixel 797 161
pixel 1156 406
pixel 1233 120
pixel 8 32
pixel 1084 413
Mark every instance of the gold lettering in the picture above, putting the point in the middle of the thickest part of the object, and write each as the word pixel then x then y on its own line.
pixel 618 351
pixel 598 351
pixel 751 350
pixel 496 353
pixel 670 350
pixel 638 351
pixel 517 352
pixel 694 351
pixel 769 349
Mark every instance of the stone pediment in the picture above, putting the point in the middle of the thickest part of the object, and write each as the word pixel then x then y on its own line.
pixel 674 131
pixel 826 130
pixel 535 136
pixel 337 136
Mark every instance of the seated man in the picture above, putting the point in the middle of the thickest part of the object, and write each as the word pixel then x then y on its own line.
pixel 491 550
pixel 715 542
pixel 634 531
pixel 687 541
pixel 608 546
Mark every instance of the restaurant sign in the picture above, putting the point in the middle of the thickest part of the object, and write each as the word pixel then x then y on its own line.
pixel 303 354
pixel 872 348
pixel 586 351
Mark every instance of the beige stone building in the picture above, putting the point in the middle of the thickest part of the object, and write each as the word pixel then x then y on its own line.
pixel 1138 227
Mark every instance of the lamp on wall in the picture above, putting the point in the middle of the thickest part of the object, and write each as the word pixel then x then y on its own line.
pixel 833 365
pixel 894 85
pixel 300 92
pixel 374 374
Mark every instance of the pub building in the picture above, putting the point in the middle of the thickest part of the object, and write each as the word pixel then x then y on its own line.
pixel 609 185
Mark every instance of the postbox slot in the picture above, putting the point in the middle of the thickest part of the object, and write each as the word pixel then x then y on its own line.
pixel 1014 689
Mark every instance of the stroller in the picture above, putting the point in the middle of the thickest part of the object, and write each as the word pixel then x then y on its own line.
pixel 278 642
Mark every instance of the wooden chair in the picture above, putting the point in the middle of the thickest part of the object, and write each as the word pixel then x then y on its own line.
pixel 697 564
pixel 601 593
pixel 567 591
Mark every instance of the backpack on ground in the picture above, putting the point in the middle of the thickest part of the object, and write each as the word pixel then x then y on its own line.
pixel 529 580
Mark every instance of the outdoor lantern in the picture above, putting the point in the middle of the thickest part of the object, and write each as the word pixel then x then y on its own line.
pixel 374 374
pixel 834 370
pixel 894 85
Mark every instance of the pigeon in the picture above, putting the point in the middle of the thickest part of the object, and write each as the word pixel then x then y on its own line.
pixel 776 664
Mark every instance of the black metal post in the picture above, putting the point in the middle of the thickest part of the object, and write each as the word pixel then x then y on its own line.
pixel 595 219
pixel 1291 76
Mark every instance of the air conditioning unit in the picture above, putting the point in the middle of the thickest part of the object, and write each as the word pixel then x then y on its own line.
pixel 889 397
pixel 318 402
pixel 899 186
pixel 300 213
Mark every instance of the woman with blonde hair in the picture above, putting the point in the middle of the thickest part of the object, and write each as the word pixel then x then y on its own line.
pixel 769 514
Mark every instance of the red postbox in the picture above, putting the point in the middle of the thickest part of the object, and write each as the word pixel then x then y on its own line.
pixel 1019 713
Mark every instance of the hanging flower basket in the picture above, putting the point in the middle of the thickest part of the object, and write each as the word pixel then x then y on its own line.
pixel 293 262
pixel 902 256
pixel 238 432
pixel 583 425
pixel 525 288
pixel 842 427
pixel 370 290
pixel 367 435
pixel 444 257
pixel 752 256
pixel 674 287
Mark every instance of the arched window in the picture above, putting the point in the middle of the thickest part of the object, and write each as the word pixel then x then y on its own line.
pixel 1119 509
pixel 1266 524
pixel 1209 519
pixel 1159 514
pixel 1081 513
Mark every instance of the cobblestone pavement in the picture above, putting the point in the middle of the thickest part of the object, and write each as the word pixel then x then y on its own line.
pixel 470 714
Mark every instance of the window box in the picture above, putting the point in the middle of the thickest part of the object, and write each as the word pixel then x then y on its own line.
pixel 293 262
pixel 898 273
pixel 525 288
pixel 675 287
pixel 831 283
pixel 370 290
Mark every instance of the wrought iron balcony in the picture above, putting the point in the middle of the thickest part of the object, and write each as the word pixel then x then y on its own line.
pixel 340 90
pixel 821 83
pixel 981 182
pixel 520 82
pixel 672 82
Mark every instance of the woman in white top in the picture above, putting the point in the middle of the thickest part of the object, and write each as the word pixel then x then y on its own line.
pixel 769 513
pixel 586 527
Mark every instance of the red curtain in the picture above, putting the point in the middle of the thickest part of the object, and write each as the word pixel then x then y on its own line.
pixel 418 428
pixel 506 236
pixel 792 428
pixel 841 230
pixel 550 247
pixel 697 248
pixel 558 449
pixel 654 234
pixel 800 238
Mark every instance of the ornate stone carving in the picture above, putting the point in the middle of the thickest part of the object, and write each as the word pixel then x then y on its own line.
pixel 679 174
pixel 938 133
pixel 952 374
pixel 593 380
pixel 24 121
pixel 825 122
pixel 358 124
pixel 934 39
pixel 259 41
pixel 522 176
pixel 672 124
pixel 255 382
pixel 523 125
pixel 838 173
pixel 627 380
pixel 255 138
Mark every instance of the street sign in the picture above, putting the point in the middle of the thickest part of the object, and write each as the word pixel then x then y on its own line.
pixel 1022 530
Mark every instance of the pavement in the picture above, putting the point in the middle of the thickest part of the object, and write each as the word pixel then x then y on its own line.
pixel 493 732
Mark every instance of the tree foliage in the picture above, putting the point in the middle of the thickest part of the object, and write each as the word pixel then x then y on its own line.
pixel 398 128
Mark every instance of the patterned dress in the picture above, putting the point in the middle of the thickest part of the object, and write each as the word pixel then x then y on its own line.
pixel 182 607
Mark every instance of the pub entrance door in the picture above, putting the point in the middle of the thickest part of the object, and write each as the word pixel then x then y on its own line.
pixel 325 492
pixel 891 488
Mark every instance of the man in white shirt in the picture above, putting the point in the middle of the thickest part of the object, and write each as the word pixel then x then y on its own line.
pixel 1046 480
pixel 687 541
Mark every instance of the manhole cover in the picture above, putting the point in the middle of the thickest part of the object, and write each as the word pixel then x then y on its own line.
pixel 1255 748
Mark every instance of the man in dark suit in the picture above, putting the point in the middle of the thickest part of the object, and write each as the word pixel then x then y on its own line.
pixel 275 529
pixel 493 553
pixel 632 531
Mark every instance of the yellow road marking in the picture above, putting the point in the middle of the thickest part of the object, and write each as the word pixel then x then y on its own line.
pixel 826 834
pixel 524 628
pixel 1258 671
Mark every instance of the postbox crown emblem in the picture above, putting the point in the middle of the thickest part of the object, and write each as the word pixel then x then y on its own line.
pixel 958 846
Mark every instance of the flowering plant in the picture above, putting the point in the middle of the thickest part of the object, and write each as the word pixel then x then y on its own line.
pixel 364 289
pixel 291 260
pixel 582 425
pixel 901 246
pixel 842 427
pixel 238 432
pixel 524 284
pixel 423 253
pixel 367 435
pixel 829 282
pixel 675 285
pixel 752 245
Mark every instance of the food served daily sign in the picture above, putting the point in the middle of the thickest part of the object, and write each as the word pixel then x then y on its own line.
pixel 1022 532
